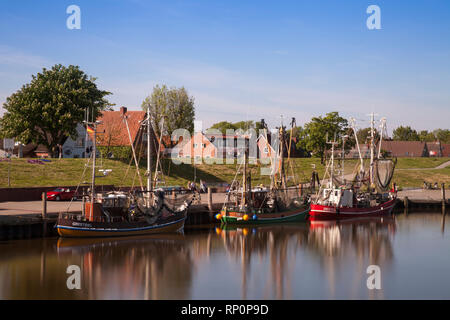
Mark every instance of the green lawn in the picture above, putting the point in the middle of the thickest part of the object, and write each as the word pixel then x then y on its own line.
pixel 69 172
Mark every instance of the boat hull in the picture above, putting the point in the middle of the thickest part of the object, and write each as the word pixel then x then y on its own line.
pixel 77 229
pixel 321 212
pixel 236 218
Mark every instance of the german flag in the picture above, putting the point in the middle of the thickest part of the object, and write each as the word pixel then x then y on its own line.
pixel 89 129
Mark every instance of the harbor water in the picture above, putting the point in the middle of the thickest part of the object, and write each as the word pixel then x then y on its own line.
pixel 325 260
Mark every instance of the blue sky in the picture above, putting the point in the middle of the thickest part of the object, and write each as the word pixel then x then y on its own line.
pixel 245 60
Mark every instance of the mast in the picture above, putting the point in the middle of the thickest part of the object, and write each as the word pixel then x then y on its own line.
pixel 332 159
pixel 343 156
pixel 382 130
pixel 149 156
pixel 244 182
pixel 371 146
pixel 282 171
pixel 353 125
pixel 94 156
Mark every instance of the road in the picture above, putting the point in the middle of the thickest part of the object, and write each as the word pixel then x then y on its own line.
pixel 35 207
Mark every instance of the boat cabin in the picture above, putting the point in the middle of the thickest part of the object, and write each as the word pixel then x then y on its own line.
pixel 339 197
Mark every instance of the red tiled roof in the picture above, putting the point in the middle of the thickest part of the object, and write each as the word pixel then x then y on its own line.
pixel 405 148
pixel 116 133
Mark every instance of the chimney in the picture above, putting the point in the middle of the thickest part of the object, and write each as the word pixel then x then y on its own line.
pixel 123 110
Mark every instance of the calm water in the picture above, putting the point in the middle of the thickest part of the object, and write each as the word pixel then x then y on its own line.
pixel 296 261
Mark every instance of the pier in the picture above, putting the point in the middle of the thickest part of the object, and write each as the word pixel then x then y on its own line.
pixel 29 219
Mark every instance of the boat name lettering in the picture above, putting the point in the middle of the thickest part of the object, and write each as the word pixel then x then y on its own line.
pixel 80 224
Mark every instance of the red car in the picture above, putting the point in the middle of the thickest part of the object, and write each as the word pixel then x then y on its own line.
pixel 61 194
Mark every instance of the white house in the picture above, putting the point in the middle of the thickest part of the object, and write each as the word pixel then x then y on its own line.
pixel 77 148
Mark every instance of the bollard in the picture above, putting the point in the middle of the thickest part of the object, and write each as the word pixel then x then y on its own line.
pixel 210 200
pixel 44 205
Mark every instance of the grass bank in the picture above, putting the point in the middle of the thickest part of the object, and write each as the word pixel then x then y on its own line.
pixel 70 172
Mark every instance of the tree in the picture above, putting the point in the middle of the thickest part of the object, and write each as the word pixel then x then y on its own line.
pixel 313 137
pixel 174 105
pixel 405 134
pixel 223 126
pixel 443 135
pixel 364 135
pixel 426 136
pixel 46 110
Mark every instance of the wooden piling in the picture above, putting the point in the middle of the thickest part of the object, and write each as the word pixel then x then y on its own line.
pixel 443 198
pixel 406 204
pixel 210 200
pixel 44 205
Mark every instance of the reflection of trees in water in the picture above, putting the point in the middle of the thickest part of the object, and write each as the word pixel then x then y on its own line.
pixel 279 243
pixel 120 268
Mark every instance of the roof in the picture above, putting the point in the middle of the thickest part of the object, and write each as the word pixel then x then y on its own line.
pixel 405 148
pixel 115 130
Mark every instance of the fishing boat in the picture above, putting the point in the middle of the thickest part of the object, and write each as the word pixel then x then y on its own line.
pixel 278 204
pixel 367 194
pixel 116 213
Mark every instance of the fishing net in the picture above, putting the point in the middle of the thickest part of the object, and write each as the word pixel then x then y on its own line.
pixel 383 173
pixel 289 198
pixel 161 202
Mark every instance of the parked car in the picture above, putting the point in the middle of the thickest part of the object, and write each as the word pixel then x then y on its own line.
pixel 61 194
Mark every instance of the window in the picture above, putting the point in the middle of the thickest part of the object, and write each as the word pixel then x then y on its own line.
pixel 266 150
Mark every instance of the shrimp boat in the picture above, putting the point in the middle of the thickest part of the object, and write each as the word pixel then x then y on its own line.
pixel 111 214
pixel 277 204
pixel 366 195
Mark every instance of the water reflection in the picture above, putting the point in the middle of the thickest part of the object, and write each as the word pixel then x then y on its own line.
pixel 321 260
pixel 279 243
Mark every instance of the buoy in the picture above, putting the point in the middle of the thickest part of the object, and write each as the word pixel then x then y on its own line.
pixel 245 217
pixel 255 217
pixel 245 231
pixel 218 230
pixel 218 216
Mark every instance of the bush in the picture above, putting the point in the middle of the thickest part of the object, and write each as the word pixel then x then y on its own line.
pixel 116 152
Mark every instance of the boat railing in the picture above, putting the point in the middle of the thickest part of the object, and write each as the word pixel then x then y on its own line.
pixel 82 218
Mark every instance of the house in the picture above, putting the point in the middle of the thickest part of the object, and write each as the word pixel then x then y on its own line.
pixel 445 147
pixel 434 149
pixel 266 148
pixel 405 148
pixel 199 147
pixel 112 132
pixel 78 148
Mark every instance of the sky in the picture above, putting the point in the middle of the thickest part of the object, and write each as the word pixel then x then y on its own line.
pixel 245 60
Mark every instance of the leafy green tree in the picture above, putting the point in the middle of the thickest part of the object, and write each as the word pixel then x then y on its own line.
pixel 174 105
pixel 223 126
pixel 364 135
pixel 426 136
pixel 405 134
pixel 47 110
pixel 443 135
pixel 313 138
